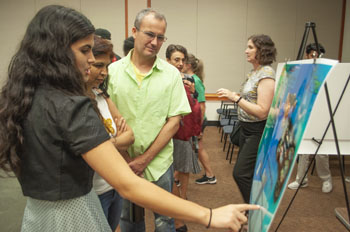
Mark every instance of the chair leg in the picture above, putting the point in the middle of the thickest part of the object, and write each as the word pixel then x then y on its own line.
pixel 222 135
pixel 233 148
pixel 228 150
pixel 225 138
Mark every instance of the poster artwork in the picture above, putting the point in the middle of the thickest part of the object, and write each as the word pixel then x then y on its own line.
pixel 295 94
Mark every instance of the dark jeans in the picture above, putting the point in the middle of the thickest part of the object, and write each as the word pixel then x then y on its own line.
pixel 162 223
pixel 243 171
pixel 111 203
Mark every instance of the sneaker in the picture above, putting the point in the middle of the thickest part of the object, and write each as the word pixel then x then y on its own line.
pixel 327 186
pixel 181 229
pixel 206 180
pixel 295 185
pixel 177 182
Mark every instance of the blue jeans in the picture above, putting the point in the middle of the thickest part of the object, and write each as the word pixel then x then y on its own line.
pixel 162 223
pixel 111 203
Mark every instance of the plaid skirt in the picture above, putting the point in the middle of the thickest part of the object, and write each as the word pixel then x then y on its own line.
pixel 185 159
pixel 78 214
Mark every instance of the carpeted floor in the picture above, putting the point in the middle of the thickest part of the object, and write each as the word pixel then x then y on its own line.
pixel 311 211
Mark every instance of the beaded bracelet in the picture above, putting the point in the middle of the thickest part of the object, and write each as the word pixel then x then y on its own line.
pixel 211 213
pixel 238 99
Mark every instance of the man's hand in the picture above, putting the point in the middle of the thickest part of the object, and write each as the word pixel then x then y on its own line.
pixel 138 165
pixel 169 129
pixel 126 156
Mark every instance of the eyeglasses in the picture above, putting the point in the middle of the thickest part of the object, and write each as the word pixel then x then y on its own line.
pixel 151 36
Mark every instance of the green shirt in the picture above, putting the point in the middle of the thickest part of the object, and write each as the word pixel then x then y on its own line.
pixel 147 106
pixel 198 84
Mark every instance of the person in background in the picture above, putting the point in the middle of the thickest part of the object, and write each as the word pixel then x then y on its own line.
pixel 254 103
pixel 54 158
pixel 311 51
pixel 121 134
pixel 105 34
pixel 185 159
pixel 322 161
pixel 194 67
pixel 128 45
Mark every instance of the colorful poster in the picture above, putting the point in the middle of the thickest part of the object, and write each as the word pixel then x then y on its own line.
pixel 295 94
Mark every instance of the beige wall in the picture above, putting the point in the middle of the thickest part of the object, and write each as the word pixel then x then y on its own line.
pixel 134 6
pixel 346 39
pixel 107 14
pixel 16 14
pixel 12 33
pixel 215 31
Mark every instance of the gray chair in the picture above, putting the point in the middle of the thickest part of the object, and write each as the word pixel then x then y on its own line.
pixel 225 109
pixel 232 144
pixel 228 120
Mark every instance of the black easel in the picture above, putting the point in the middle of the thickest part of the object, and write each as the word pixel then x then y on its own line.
pixel 308 26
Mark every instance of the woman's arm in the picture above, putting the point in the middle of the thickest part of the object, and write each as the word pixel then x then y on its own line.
pixel 202 105
pixel 124 138
pixel 265 92
pixel 106 161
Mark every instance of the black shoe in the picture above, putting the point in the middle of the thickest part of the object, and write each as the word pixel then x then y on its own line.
pixel 177 182
pixel 206 180
pixel 181 229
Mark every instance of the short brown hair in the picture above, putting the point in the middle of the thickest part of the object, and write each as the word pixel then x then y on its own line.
pixel 145 12
pixel 175 48
pixel 266 51
pixel 102 46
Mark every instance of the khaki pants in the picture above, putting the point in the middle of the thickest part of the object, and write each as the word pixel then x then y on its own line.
pixel 322 167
